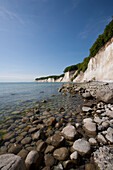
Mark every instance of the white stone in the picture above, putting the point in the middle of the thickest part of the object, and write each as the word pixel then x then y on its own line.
pixel 90 127
pixel 69 132
pixel 87 120
pixel 74 156
pixel 109 135
pixel 92 141
pixel 86 109
pixel 82 146
pixel 97 120
pixel 101 138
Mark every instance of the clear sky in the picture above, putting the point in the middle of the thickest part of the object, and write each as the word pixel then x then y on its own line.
pixel 42 37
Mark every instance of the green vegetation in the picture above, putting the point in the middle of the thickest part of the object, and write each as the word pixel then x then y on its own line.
pixel 99 43
pixel 54 76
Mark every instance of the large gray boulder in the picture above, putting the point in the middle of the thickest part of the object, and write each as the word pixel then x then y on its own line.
pixel 11 162
pixel 105 95
pixel 33 160
pixel 81 146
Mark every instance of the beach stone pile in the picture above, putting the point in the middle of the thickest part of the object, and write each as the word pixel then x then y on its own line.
pixel 81 140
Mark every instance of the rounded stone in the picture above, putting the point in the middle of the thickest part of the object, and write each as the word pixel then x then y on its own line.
pixel 69 132
pixel 15 148
pixel 49 160
pixel 82 146
pixel 32 160
pixel 26 140
pixel 57 140
pixel 61 154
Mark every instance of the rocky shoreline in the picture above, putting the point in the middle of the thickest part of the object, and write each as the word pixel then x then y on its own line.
pixel 78 140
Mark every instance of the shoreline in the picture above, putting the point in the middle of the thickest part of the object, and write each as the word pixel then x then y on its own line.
pixel 68 135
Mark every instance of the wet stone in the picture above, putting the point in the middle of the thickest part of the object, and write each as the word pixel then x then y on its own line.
pixel 57 140
pixel 49 149
pixel 9 136
pixel 41 146
pixel 49 160
pixel 61 154
pixel 23 153
pixel 15 148
pixel 26 140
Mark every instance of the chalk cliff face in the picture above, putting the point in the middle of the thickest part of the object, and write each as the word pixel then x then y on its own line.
pixel 100 67
pixel 67 76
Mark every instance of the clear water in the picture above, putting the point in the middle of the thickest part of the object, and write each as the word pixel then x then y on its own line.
pixel 11 93
pixel 21 96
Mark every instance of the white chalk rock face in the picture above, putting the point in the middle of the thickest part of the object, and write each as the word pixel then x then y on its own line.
pixel 69 132
pixel 82 146
pixel 11 162
pixel 100 66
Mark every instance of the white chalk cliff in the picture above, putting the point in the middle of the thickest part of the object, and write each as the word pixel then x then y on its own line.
pixel 100 67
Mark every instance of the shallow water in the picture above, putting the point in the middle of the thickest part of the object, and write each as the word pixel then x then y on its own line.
pixel 23 96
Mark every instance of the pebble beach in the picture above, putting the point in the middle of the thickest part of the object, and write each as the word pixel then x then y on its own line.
pixel 72 129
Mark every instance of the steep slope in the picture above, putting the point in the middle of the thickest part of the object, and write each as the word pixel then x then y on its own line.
pixel 100 67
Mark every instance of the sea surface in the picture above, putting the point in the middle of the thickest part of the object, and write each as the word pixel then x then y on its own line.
pixel 18 97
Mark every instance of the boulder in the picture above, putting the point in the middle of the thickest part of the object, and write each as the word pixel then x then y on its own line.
pixel 87 120
pixel 109 135
pixel 101 139
pixel 82 147
pixel 105 95
pixel 57 140
pixel 86 109
pixel 69 132
pixel 49 160
pixel 33 160
pixel 11 162
pixel 87 95
pixel 90 127
pixel 39 134
pixel 61 154
pixel 15 148
pixel 93 141
pixel 26 140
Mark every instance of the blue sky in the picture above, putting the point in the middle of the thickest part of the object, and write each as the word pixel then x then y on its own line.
pixel 42 37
